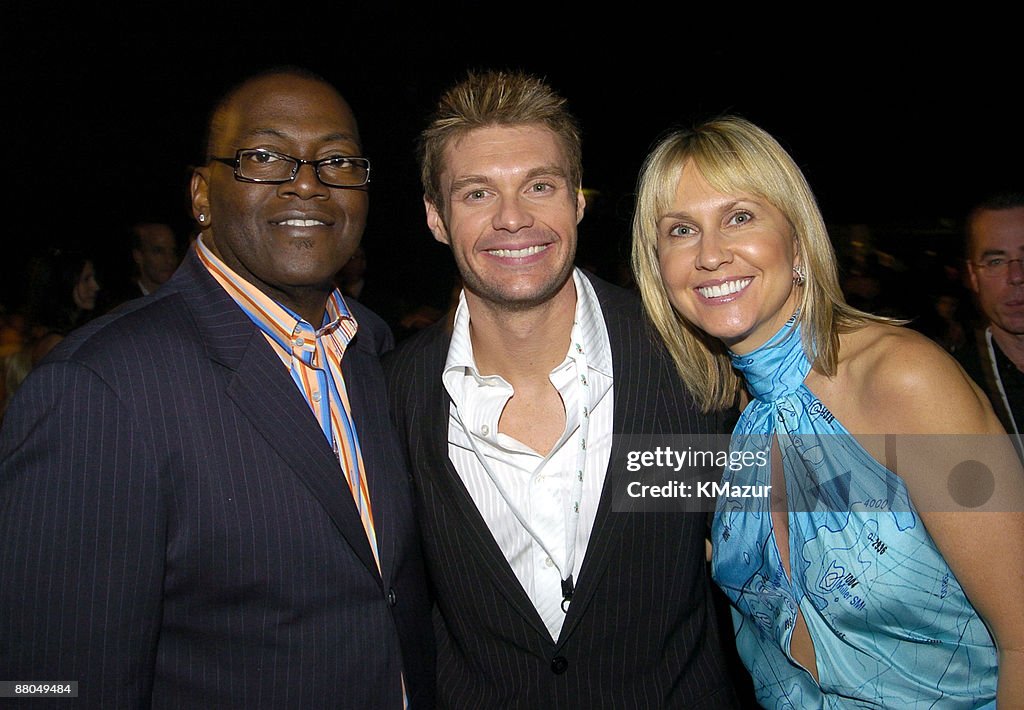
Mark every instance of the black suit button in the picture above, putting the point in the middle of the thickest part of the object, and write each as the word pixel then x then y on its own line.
pixel 559 664
pixel 392 597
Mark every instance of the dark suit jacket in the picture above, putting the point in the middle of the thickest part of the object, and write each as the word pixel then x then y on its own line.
pixel 176 531
pixel 641 629
pixel 977 363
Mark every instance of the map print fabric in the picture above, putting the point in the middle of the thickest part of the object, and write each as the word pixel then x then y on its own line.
pixel 890 624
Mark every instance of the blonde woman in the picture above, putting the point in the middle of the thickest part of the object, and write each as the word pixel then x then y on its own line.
pixel 885 568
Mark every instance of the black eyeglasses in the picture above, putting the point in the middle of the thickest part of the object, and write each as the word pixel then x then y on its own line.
pixel 266 166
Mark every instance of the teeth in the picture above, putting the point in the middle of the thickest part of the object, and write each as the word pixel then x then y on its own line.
pixel 518 253
pixel 724 289
pixel 301 222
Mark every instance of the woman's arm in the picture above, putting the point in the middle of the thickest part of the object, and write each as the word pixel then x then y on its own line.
pixel 965 479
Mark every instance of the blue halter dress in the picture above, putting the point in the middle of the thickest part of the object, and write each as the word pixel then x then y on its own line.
pixel 890 624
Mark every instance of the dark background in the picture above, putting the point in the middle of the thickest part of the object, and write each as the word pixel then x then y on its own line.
pixel 896 128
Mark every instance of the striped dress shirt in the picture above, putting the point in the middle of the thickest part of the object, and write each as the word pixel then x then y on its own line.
pixel 535 488
pixel 313 357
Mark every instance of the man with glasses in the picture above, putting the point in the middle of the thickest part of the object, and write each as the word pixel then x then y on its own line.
pixel 202 499
pixel 995 264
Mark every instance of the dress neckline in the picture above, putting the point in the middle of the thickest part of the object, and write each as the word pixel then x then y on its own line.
pixel 778 367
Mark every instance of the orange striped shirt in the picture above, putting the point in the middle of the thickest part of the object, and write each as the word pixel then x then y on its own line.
pixel 313 356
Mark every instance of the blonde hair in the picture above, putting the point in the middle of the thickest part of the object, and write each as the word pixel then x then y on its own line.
pixel 495 98
pixel 734 155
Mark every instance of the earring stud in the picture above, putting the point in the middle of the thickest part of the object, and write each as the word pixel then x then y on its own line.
pixel 799 275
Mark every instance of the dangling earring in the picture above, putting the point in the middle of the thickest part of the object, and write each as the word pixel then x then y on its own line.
pixel 799 275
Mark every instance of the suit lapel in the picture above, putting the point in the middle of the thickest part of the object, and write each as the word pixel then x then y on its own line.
pixel 454 491
pixel 265 394
pixel 632 407
pixel 359 367
pixel 275 408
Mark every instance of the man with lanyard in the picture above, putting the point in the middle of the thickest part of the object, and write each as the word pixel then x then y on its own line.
pixel 995 262
pixel 547 598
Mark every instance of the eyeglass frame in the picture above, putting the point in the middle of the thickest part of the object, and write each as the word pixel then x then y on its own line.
pixel 297 163
pixel 996 270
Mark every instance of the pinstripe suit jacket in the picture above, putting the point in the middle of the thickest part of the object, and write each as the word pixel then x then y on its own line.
pixel 175 530
pixel 641 629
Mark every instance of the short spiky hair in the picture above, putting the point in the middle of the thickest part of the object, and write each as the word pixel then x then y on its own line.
pixel 495 98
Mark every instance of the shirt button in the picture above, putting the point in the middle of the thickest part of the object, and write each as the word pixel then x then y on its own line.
pixel 485 430
pixel 549 562
pixel 316 396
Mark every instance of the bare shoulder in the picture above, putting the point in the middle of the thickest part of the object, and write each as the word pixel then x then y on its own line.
pixel 904 381
pixel 894 357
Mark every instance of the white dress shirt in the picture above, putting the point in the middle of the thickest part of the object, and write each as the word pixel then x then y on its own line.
pixel 527 499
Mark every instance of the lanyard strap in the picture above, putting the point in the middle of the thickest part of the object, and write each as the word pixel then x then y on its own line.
pixel 577 354
pixel 999 381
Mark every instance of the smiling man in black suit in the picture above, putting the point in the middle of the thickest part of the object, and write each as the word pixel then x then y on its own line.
pixel 515 420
